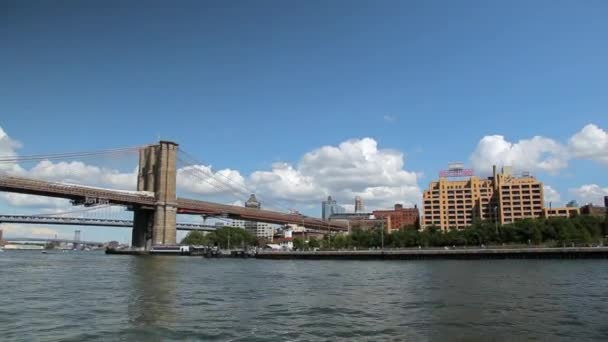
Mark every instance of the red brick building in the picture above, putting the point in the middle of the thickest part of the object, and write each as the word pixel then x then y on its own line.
pixel 399 217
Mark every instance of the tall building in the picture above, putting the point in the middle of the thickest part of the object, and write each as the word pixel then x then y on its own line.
pixel 502 197
pixel 358 204
pixel 1 234
pixel 253 202
pixel 260 230
pixel 330 207
pixel 398 217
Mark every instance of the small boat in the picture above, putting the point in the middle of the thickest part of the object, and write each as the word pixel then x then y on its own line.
pixel 44 252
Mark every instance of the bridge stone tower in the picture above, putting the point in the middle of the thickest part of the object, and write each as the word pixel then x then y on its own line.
pixel 158 174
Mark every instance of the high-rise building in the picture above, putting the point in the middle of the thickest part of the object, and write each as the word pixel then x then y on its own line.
pixel 330 207
pixel 260 230
pixel 1 234
pixel 358 204
pixel 502 197
pixel 253 202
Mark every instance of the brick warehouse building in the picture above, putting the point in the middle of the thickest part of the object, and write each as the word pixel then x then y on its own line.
pixel 399 217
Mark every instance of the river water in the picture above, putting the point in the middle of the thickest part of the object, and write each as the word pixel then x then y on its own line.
pixel 78 296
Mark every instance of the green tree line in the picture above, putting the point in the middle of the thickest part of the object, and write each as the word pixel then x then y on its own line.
pixel 555 231
pixel 225 237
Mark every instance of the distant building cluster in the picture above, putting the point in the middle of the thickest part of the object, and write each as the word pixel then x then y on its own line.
pixel 454 201
pixel 330 207
pixel 391 219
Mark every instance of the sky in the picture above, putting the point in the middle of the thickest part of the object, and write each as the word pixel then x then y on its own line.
pixel 296 101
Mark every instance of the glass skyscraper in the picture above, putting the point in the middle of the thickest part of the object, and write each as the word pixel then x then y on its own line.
pixel 330 207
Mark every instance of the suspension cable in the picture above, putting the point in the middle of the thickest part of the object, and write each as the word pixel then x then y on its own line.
pixel 71 155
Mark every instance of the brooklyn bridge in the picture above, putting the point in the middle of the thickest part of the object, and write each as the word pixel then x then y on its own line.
pixel 154 204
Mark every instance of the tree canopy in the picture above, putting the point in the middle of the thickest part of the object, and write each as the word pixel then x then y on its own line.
pixel 225 237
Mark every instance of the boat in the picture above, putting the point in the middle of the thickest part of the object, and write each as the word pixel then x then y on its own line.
pixel 176 249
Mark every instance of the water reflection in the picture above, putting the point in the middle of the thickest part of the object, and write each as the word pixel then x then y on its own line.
pixel 153 284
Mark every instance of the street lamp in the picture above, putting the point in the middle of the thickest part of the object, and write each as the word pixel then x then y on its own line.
pixel 496 220
pixel 329 236
pixel 382 235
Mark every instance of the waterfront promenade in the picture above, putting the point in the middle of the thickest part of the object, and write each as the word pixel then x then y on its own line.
pixel 416 254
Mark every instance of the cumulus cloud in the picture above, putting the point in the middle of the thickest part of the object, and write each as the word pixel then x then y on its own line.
pixel 540 153
pixel 590 143
pixel 202 180
pixel 356 167
pixel 590 193
pixel 551 195
pixel 21 200
pixel 536 154
pixel 8 149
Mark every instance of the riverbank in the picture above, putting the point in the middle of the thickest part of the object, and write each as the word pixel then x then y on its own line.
pixel 404 254
pixel 461 254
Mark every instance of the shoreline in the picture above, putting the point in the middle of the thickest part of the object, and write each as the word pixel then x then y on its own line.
pixel 458 254
pixel 411 254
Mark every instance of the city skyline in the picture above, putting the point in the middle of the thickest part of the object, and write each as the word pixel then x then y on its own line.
pixel 369 104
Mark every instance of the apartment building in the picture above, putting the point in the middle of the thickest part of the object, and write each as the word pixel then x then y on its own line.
pixel 504 197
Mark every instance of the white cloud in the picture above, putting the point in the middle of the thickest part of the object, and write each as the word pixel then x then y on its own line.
pixel 389 118
pixel 590 193
pixel 354 168
pixel 590 143
pixel 31 201
pixel 536 154
pixel 27 230
pixel 540 153
pixel 551 195
pixel 202 180
pixel 8 149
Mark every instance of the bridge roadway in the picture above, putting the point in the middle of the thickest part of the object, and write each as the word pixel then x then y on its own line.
pixel 79 221
pixel 81 193
pixel 30 239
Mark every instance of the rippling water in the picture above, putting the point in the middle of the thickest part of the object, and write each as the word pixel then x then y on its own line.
pixel 91 296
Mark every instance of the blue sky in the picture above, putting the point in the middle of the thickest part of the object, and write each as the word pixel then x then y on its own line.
pixel 245 84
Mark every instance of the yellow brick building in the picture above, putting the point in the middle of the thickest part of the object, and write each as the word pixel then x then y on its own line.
pixel 503 197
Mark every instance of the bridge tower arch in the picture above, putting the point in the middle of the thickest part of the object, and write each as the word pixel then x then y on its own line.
pixel 158 174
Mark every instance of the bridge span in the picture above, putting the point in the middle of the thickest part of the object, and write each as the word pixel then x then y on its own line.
pixel 80 221
pixel 155 204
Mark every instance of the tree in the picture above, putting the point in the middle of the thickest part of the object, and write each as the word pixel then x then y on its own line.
pixel 313 242
pixel 195 238
pixel 299 243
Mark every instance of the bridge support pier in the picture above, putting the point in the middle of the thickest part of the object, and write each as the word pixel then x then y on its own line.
pixel 141 236
pixel 157 173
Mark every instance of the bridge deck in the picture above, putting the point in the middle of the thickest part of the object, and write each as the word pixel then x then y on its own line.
pixel 185 206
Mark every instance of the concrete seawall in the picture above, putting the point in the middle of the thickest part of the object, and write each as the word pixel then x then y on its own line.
pixel 460 254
